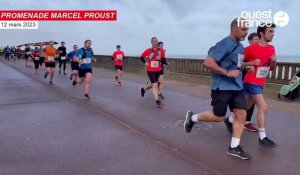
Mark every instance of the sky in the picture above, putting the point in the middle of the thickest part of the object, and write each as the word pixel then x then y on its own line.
pixel 187 27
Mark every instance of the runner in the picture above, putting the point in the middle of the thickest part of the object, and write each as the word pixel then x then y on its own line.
pixel 165 63
pixel 254 82
pixel 223 62
pixel 50 53
pixel 14 54
pixel 118 57
pixel 62 50
pixel 27 56
pixel 36 59
pixel 74 63
pixel 252 39
pixel 153 59
pixel 6 53
pixel 19 53
pixel 85 56
pixel 42 57
pixel 160 85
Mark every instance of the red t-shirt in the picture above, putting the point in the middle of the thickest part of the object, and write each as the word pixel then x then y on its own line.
pixel 118 57
pixel 154 64
pixel 36 55
pixel 253 52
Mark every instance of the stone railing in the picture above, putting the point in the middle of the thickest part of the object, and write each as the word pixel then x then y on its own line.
pixel 281 75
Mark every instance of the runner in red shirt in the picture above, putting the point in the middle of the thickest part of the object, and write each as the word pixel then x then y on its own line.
pixel 254 82
pixel 153 58
pixel 118 57
pixel 252 38
pixel 161 83
pixel 36 59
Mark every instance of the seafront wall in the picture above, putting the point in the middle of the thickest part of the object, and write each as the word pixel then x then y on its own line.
pixel 195 68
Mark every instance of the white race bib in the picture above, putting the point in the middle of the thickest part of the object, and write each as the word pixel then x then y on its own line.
pixel 28 53
pixel 119 57
pixel 86 61
pixel 262 72
pixel 154 64
pixel 36 58
pixel 240 60
pixel 50 58
pixel 62 58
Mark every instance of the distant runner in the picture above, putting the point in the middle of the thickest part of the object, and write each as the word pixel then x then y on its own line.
pixel 118 57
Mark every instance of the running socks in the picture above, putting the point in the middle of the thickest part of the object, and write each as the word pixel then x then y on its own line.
pixel 262 133
pixel 195 118
pixel 231 118
pixel 234 142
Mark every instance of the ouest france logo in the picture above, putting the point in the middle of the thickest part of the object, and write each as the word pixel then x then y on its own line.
pixel 261 18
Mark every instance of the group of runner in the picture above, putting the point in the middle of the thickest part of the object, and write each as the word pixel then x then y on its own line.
pixel 238 79
pixel 10 53
pixel 80 63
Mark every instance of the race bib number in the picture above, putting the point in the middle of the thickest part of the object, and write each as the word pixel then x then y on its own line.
pixel 28 53
pixel 62 58
pixel 240 60
pixel 50 58
pixel 36 58
pixel 119 57
pixel 262 72
pixel 154 64
pixel 87 61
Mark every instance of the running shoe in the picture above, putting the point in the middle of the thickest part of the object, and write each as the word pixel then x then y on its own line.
pixel 266 142
pixel 143 91
pixel 158 103
pixel 161 96
pixel 74 82
pixel 250 127
pixel 86 96
pixel 228 125
pixel 238 152
pixel 188 123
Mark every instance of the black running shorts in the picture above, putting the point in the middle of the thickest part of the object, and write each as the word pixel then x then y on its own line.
pixel 119 67
pixel 221 99
pixel 153 76
pixel 47 64
pixel 83 72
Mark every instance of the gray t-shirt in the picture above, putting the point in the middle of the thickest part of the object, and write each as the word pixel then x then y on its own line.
pixel 229 62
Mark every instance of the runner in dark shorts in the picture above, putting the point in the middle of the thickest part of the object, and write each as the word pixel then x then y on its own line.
pixel 74 63
pixel 118 57
pixel 85 56
pixel 50 54
pixel 62 51
pixel 36 59
pixel 227 86
pixel 153 58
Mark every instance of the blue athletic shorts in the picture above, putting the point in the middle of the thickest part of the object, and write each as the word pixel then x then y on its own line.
pixel 252 89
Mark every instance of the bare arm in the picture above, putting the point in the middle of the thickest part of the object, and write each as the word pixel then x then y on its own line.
pixel 212 65
pixel 273 62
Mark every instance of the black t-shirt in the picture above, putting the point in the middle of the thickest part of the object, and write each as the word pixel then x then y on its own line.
pixel 64 51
